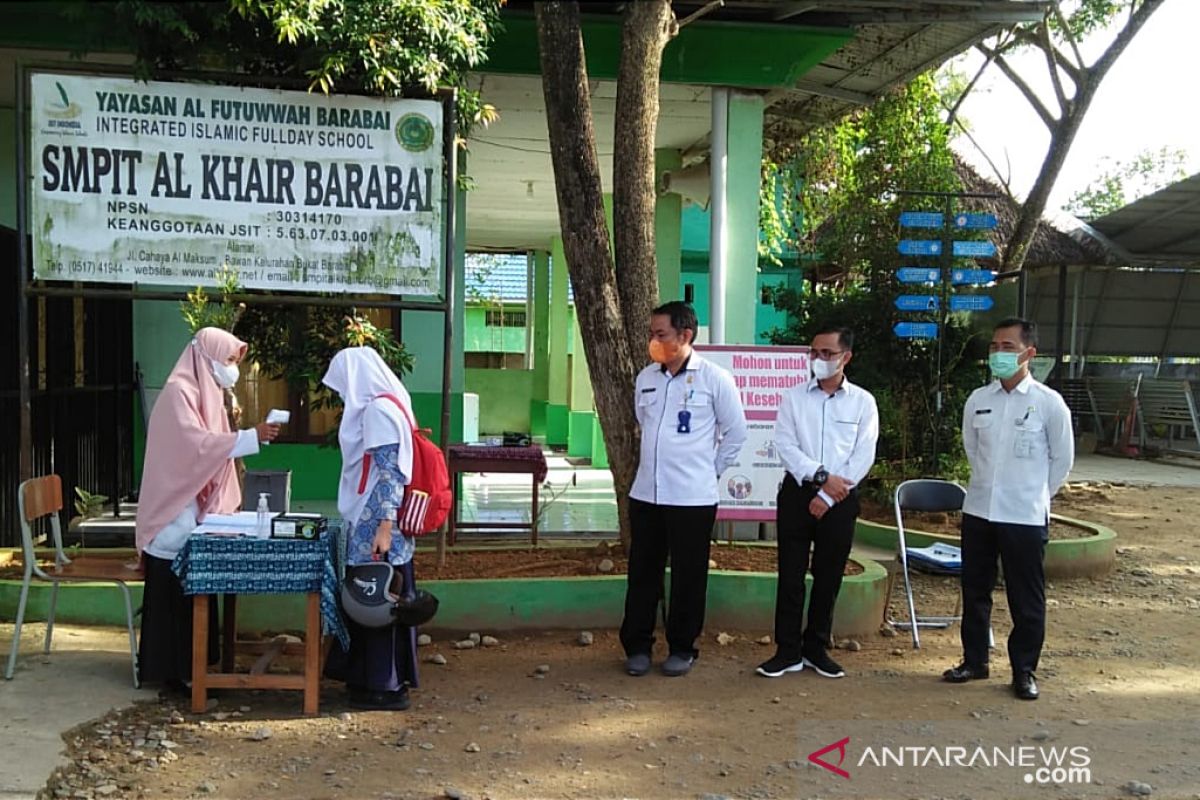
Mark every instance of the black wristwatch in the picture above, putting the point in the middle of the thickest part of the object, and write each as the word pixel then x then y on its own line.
pixel 820 476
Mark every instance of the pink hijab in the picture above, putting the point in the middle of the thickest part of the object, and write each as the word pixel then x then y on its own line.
pixel 189 440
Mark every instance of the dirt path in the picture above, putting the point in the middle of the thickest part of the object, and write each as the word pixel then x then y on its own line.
pixel 1119 677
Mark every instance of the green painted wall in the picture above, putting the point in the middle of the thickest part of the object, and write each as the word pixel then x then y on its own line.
pixel 744 600
pixel 726 54
pixel 315 469
pixel 8 169
pixel 668 209
pixel 479 337
pixel 504 398
pixel 744 176
pixel 581 433
pixel 557 410
pixel 541 343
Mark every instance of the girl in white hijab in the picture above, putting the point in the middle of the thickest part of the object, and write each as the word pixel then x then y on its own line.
pixel 377 452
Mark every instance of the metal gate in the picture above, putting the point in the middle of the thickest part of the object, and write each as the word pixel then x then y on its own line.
pixel 81 380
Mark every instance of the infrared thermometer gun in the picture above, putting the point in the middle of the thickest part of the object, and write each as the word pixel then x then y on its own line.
pixel 278 416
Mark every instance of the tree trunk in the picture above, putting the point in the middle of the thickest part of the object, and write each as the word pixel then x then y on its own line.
pixel 647 28
pixel 585 239
pixel 1062 135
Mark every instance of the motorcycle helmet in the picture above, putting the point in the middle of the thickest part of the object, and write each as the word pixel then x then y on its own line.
pixel 370 599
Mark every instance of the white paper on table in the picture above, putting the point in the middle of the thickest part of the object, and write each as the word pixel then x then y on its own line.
pixel 278 416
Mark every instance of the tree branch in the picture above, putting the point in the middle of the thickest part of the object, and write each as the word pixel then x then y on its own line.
pixel 1049 119
pixel 1069 35
pixel 952 116
pixel 1047 48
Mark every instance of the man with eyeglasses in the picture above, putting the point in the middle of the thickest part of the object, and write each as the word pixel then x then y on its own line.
pixel 826 433
pixel 1020 444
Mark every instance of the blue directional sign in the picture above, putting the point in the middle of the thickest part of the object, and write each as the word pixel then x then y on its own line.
pixel 971 302
pixel 916 330
pixel 974 249
pixel 964 277
pixel 980 222
pixel 920 247
pixel 920 219
pixel 917 302
pixel 918 275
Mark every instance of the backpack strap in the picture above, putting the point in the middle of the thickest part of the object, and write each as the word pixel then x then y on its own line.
pixel 366 468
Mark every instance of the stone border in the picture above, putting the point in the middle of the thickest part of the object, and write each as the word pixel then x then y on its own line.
pixel 1086 556
pixel 736 600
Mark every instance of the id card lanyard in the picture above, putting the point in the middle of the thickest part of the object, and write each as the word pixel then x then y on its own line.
pixel 685 416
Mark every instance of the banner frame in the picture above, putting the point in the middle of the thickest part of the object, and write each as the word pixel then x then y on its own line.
pixel 27 287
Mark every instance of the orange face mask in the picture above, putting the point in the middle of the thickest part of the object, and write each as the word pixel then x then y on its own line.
pixel 663 352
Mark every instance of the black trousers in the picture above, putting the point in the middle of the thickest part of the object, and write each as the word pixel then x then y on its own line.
pixel 1021 549
pixel 165 645
pixel 684 533
pixel 826 544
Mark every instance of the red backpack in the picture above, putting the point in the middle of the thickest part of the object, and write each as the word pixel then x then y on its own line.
pixel 427 496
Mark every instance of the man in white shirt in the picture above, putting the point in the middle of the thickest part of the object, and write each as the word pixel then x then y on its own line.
pixel 826 433
pixel 1020 444
pixel 693 427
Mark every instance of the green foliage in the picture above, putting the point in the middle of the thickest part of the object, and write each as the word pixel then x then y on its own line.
pixel 297 344
pixel 88 505
pixel 1123 182
pixel 850 175
pixel 201 312
pixel 380 47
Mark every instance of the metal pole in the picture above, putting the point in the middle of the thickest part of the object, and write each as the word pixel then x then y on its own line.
pixel 718 245
pixel 449 133
pixel 1061 333
pixel 943 317
pixel 25 411
pixel 1022 291
pixel 1075 324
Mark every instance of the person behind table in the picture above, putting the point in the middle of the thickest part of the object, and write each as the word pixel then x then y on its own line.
pixel 188 473
pixel 376 441
pixel 1020 445
pixel 826 433
pixel 693 427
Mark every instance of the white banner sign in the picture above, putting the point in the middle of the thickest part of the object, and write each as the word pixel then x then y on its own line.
pixel 167 183
pixel 763 375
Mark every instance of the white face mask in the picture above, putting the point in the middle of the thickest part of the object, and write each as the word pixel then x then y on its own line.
pixel 226 375
pixel 822 369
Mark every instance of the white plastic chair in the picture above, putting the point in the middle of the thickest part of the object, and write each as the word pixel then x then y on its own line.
pixel 42 497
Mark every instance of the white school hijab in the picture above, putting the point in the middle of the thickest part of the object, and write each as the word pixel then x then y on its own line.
pixel 360 376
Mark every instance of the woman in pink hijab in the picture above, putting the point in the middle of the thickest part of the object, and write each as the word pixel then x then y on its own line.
pixel 188 473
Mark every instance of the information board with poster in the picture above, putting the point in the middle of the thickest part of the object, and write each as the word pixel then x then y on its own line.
pixel 763 375
pixel 167 183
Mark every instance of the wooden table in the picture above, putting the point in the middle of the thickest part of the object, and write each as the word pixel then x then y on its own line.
pixel 308 682
pixel 520 460
pixel 232 566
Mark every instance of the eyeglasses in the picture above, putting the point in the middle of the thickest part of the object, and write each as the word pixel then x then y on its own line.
pixel 826 355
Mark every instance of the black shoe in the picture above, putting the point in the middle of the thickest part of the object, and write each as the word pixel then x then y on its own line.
pixel 678 664
pixel 965 672
pixel 1025 687
pixel 379 701
pixel 638 664
pixel 778 666
pixel 824 665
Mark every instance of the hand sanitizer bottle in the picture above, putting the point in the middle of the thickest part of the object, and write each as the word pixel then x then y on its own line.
pixel 262 527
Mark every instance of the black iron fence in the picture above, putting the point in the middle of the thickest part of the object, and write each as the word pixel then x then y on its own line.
pixel 81 367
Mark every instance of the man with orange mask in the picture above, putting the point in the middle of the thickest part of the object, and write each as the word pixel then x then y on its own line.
pixel 693 427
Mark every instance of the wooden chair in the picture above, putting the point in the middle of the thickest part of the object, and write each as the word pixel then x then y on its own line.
pixel 42 497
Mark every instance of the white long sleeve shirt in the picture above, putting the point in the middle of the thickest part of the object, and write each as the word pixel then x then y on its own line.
pixel 680 468
pixel 1020 445
pixel 169 541
pixel 838 431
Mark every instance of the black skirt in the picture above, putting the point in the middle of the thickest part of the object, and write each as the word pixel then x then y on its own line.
pixel 379 659
pixel 165 649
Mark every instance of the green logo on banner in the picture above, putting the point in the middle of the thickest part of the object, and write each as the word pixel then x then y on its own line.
pixel 414 132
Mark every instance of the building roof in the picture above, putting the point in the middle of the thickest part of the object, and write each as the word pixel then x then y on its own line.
pixel 1162 228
